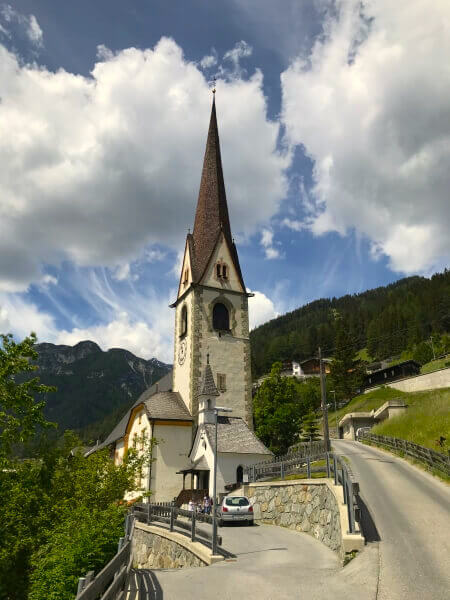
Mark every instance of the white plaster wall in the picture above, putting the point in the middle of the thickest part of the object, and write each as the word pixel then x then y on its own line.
pixel 138 428
pixel 182 373
pixel 119 451
pixel 429 381
pixel 171 454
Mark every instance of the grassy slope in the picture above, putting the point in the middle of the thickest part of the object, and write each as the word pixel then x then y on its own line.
pixel 426 419
pixel 435 365
pixel 366 402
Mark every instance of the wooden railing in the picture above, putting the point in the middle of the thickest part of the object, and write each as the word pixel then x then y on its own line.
pixel 168 514
pixel 427 456
pixel 110 582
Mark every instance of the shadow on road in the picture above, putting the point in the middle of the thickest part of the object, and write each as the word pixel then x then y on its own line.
pixel 368 526
pixel 144 585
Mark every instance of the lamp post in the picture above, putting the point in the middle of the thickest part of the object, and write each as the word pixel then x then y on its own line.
pixel 335 413
pixel 216 409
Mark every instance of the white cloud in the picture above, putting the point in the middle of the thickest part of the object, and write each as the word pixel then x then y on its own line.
pixel 136 336
pixel 234 56
pixel 371 105
pixel 210 60
pixel 21 318
pixel 87 164
pixel 271 252
pixel 261 309
pixel 28 24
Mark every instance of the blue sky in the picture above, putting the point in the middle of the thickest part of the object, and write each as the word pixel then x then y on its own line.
pixel 335 130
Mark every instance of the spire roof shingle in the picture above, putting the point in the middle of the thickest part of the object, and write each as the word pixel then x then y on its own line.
pixel 211 217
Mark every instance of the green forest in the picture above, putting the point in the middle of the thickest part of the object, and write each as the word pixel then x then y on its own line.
pixel 387 321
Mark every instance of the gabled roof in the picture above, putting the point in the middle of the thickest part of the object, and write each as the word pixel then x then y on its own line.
pixel 160 402
pixel 211 217
pixel 233 435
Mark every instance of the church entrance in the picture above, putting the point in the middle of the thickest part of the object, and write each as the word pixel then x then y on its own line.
pixel 239 474
pixel 203 480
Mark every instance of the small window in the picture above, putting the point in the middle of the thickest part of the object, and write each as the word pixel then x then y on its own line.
pixel 224 272
pixel 218 271
pixel 186 276
pixel 221 317
pixel 140 418
pixel 221 382
pixel 135 440
pixel 184 321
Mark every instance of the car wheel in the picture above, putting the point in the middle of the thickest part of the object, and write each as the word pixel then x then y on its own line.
pixel 250 522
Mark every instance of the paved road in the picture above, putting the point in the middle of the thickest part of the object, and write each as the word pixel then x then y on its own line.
pixel 271 563
pixel 411 512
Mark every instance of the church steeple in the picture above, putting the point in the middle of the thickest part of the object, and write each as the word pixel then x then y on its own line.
pixel 211 217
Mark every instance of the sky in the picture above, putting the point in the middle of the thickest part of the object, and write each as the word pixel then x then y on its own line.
pixel 334 120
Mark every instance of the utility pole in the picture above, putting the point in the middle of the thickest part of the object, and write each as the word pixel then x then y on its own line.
pixel 335 413
pixel 323 393
pixel 432 347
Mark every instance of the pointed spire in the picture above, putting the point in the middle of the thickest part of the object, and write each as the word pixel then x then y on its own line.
pixel 208 387
pixel 211 216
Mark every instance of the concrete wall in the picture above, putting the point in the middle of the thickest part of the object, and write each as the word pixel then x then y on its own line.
pixel 314 507
pixel 418 383
pixel 156 548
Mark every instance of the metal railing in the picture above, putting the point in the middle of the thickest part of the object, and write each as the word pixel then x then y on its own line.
pixel 427 456
pixel 168 514
pixel 110 582
pixel 333 465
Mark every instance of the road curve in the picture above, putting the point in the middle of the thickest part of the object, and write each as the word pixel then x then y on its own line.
pixel 269 563
pixel 411 513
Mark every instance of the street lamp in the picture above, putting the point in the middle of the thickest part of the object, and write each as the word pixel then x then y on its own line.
pixel 335 413
pixel 216 410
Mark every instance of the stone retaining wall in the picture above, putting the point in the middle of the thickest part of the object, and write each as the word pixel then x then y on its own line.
pixel 161 550
pixel 418 383
pixel 310 507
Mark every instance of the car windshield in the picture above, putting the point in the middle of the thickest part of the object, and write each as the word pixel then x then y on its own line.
pixel 236 501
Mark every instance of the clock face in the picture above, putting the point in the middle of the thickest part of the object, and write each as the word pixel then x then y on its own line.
pixel 182 352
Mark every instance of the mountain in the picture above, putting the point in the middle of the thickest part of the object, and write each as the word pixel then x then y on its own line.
pixel 385 320
pixel 94 388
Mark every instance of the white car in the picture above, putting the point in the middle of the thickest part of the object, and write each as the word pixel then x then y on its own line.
pixel 235 508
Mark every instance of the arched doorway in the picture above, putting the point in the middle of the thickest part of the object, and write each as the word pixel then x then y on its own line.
pixel 239 474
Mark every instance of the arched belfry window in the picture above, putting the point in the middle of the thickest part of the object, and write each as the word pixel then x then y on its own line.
pixel 221 317
pixel 184 321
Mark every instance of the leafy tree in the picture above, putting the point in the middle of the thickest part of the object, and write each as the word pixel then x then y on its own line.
pixel 21 414
pixel 423 353
pixel 310 428
pixel 278 411
pixel 345 373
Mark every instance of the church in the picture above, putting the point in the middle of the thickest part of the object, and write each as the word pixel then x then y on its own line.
pixel 211 362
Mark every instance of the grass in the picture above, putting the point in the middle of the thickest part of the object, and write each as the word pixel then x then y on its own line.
pixel 435 365
pixel 426 419
pixel 365 403
pixel 316 463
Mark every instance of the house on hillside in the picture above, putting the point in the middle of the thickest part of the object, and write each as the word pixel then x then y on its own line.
pixel 211 362
pixel 407 368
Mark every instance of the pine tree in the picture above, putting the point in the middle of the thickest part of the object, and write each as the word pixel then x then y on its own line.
pixel 310 428
pixel 346 375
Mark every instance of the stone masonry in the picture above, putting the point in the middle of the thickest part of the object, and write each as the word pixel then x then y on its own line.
pixel 151 551
pixel 310 508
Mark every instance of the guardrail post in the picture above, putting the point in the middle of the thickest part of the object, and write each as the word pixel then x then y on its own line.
pixel 308 467
pixel 335 470
pixel 328 466
pixel 193 526
pixel 172 511
pixel 281 470
pixel 149 508
pixel 81 585
pixel 120 545
pixel 344 484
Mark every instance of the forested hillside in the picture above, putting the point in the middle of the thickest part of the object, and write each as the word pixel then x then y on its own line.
pixel 386 320
pixel 94 388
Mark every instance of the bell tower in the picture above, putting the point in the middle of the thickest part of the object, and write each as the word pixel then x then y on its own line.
pixel 211 309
